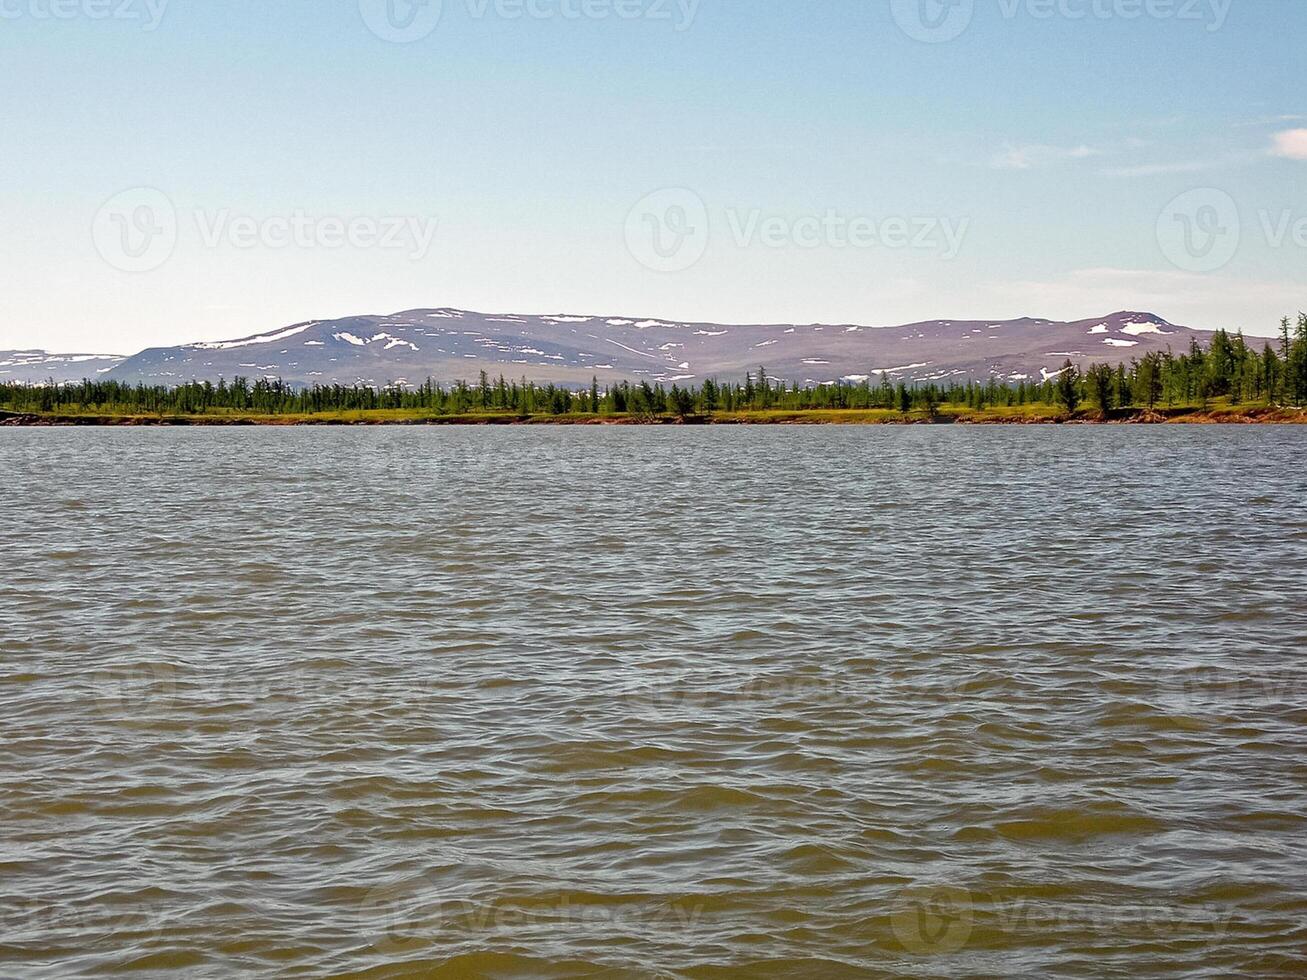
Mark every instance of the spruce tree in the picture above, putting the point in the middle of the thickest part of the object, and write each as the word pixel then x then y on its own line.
pixel 1068 387
pixel 1101 384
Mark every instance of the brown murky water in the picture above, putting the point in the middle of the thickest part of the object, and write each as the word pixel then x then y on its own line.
pixel 626 703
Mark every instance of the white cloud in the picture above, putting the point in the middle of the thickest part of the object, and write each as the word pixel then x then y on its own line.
pixel 1291 144
pixel 1174 167
pixel 1038 155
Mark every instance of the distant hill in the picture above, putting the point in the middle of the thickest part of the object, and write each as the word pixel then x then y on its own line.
pixel 450 345
pixel 37 366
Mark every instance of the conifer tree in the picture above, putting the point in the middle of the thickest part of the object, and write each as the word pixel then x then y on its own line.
pixel 710 395
pixel 1101 385
pixel 1068 387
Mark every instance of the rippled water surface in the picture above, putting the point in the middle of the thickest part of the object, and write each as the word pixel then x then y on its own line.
pixel 829 702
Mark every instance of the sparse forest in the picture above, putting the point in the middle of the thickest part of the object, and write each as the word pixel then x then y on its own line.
pixel 1230 369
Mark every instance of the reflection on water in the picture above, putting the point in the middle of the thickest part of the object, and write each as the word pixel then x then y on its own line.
pixel 641 702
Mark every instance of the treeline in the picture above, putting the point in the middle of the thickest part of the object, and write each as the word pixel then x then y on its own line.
pixel 1230 368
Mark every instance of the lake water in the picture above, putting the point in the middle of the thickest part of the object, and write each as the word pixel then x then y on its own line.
pixel 707 703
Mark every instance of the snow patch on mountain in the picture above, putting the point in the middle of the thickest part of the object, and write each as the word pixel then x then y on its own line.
pixel 905 367
pixel 1139 329
pixel 631 349
pixel 251 341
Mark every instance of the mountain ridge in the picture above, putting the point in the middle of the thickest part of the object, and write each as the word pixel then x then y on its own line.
pixel 449 345
pixel 38 366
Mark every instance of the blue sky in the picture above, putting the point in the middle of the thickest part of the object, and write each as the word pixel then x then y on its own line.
pixel 737 160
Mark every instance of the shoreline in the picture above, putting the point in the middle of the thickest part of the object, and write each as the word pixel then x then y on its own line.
pixel 1034 415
